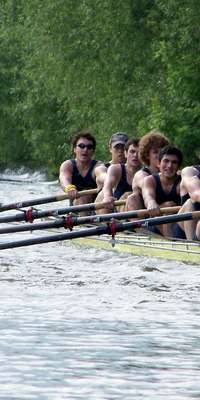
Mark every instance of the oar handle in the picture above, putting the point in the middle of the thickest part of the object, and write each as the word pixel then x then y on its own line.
pixel 45 200
pixel 170 210
pixel 163 211
pixel 87 192
pixel 102 204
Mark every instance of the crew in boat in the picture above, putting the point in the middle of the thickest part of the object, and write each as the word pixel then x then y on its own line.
pixel 190 192
pixel 149 147
pixel 82 172
pixel 118 181
pixel 163 189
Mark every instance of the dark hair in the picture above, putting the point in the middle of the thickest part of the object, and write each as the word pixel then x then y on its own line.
pixel 171 150
pixel 83 134
pixel 133 141
pixel 152 140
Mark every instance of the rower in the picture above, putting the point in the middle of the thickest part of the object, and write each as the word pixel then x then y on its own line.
pixel 190 188
pixel 117 144
pixel 149 147
pixel 118 182
pixel 82 172
pixel 163 189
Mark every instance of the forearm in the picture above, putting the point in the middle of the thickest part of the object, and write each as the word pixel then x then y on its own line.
pixel 64 181
pixel 100 175
pixel 101 179
pixel 107 189
pixel 65 175
pixel 149 201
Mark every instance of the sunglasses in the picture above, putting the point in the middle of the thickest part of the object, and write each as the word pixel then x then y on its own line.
pixel 85 146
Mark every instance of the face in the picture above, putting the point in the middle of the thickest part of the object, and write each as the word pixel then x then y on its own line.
pixel 169 165
pixel 153 158
pixel 132 156
pixel 118 153
pixel 84 149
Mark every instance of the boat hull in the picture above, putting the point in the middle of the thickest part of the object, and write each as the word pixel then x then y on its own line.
pixel 151 246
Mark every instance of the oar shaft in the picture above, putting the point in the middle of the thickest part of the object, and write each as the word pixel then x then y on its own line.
pixel 100 230
pixel 44 200
pixel 22 216
pixel 55 238
pixel 87 219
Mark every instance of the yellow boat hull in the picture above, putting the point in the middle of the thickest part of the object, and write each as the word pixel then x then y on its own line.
pixel 151 246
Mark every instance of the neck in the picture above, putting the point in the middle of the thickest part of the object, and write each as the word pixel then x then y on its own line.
pixel 81 164
pixel 167 179
pixel 131 168
pixel 153 169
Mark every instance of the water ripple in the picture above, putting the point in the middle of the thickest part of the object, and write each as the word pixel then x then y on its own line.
pixel 90 324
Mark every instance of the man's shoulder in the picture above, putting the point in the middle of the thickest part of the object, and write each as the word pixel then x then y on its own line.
pixel 97 164
pixel 115 169
pixel 141 174
pixel 67 164
pixel 189 171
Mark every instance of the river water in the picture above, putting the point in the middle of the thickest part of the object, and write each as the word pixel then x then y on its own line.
pixel 78 323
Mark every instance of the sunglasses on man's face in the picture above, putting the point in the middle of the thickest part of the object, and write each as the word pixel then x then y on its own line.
pixel 85 146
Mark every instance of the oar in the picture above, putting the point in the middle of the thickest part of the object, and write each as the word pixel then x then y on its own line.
pixel 70 221
pixel 103 229
pixel 29 215
pixel 44 200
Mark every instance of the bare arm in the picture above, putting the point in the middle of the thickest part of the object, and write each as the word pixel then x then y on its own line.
pixel 65 178
pixel 191 182
pixel 100 172
pixel 112 178
pixel 149 195
pixel 138 180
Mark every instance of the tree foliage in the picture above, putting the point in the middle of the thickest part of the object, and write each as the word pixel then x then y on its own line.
pixel 105 65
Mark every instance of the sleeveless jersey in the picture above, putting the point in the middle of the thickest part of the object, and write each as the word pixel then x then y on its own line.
pixel 162 196
pixel 123 186
pixel 146 169
pixel 86 182
pixel 198 169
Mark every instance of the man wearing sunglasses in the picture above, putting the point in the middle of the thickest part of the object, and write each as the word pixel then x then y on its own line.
pixel 82 172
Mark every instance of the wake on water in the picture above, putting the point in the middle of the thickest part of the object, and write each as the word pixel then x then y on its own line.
pixel 24 175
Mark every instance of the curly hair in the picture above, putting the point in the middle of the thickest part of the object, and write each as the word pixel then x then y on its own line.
pixel 152 140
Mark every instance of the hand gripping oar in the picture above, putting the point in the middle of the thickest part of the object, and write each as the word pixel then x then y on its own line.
pixel 110 228
pixel 29 215
pixel 44 200
pixel 70 221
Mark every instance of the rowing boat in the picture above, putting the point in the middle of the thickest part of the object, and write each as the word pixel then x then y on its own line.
pixel 143 243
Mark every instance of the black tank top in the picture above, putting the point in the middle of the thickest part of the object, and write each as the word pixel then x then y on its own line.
pixel 146 169
pixel 123 186
pixel 86 182
pixel 184 198
pixel 162 196
pixel 107 164
pixel 198 169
